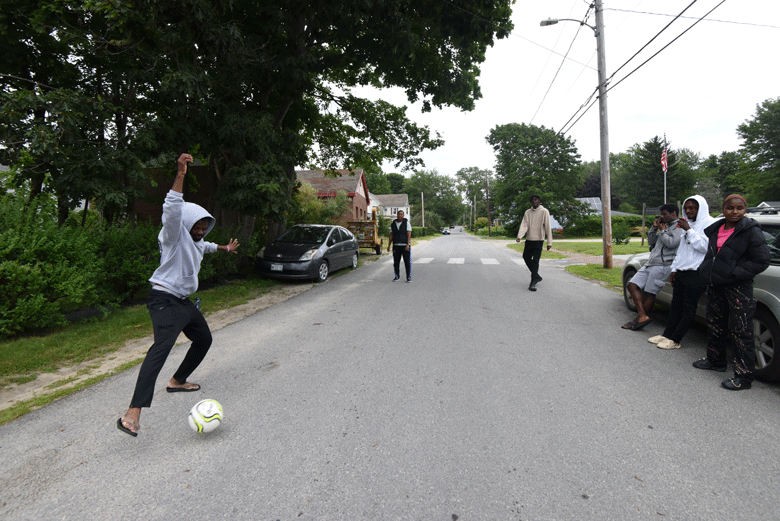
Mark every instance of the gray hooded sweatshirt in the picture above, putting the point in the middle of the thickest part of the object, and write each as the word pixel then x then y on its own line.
pixel 180 255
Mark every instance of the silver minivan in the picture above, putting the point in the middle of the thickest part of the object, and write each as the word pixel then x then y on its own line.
pixel 766 291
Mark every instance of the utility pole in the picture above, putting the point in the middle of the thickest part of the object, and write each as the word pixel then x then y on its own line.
pixel 487 200
pixel 422 200
pixel 606 192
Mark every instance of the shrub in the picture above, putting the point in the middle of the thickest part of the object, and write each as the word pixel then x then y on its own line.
pixel 48 271
pixel 45 270
pixel 621 232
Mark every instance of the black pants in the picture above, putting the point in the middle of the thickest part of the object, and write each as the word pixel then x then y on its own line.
pixel 686 292
pixel 170 316
pixel 531 255
pixel 398 253
pixel 730 310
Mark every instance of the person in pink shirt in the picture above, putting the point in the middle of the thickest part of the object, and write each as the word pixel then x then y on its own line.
pixel 737 252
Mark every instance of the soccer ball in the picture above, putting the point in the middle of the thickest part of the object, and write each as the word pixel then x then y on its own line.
pixel 205 416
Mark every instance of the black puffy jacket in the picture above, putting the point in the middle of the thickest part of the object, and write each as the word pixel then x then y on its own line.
pixel 743 256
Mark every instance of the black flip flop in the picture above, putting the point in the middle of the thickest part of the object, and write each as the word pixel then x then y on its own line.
pixel 639 325
pixel 629 325
pixel 125 429
pixel 183 389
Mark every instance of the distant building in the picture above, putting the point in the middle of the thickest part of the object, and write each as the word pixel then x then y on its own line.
pixel 353 182
pixel 387 205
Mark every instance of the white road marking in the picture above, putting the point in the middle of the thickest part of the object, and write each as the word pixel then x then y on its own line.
pixel 489 261
pixel 455 260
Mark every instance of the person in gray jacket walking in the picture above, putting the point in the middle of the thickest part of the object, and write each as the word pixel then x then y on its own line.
pixel 172 312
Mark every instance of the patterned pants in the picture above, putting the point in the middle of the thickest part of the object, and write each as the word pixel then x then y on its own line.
pixel 170 316
pixel 730 310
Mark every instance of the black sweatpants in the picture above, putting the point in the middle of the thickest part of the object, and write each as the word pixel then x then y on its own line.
pixel 170 316
pixel 400 252
pixel 686 292
pixel 531 255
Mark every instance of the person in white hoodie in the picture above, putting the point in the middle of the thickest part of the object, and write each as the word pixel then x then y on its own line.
pixel 687 286
pixel 172 312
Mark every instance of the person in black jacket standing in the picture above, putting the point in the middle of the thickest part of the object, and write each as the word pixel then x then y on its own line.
pixel 401 243
pixel 737 252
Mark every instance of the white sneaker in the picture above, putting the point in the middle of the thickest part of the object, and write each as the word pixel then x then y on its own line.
pixel 668 344
pixel 655 339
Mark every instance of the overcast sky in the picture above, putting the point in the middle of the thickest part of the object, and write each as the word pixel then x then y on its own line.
pixel 696 91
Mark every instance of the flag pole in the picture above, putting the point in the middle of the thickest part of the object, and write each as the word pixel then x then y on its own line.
pixel 664 163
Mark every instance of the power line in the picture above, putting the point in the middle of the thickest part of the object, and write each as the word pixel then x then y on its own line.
pixel 587 13
pixel 514 180
pixel 694 18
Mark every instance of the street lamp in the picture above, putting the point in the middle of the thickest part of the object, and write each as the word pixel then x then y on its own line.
pixel 606 210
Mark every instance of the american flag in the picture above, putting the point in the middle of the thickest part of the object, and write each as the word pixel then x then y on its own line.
pixel 664 158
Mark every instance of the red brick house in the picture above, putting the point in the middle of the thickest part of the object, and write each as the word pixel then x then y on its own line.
pixel 353 182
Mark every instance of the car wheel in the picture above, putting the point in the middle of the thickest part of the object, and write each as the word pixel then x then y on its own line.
pixel 626 295
pixel 378 250
pixel 766 333
pixel 354 260
pixel 322 271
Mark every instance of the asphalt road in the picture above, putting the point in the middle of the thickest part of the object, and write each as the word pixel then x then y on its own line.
pixel 459 396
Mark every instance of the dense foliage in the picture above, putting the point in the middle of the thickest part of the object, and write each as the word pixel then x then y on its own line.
pixel 48 271
pixel 535 160
pixel 94 90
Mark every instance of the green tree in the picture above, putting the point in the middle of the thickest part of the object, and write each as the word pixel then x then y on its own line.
pixel 535 160
pixel 250 85
pixel 761 144
pixel 397 182
pixel 640 176
pixel 473 184
pixel 441 195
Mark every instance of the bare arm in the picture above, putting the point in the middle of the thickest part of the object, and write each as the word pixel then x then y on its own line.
pixel 178 183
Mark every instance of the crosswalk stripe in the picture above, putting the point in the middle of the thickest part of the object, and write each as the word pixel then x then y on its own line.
pixel 521 262
pixel 489 261
pixel 424 260
pixel 456 260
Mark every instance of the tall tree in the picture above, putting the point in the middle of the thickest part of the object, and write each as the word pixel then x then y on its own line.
pixel 534 160
pixel 477 185
pixel 640 176
pixel 440 192
pixel 253 85
pixel 761 136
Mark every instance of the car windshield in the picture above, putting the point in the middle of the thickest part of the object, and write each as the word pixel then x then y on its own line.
pixel 305 234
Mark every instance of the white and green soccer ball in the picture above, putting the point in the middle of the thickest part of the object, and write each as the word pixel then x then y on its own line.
pixel 205 416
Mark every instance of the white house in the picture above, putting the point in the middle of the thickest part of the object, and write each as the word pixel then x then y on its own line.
pixel 387 205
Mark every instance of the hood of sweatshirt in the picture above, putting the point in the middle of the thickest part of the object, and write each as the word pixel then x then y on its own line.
pixel 192 213
pixel 703 218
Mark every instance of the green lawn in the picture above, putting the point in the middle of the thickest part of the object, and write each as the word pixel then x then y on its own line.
pixel 597 248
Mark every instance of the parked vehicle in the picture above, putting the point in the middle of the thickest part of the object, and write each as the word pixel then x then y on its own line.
pixel 308 251
pixel 766 291
pixel 445 231
pixel 367 233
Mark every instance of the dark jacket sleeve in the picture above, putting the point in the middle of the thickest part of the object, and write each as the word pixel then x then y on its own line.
pixel 756 258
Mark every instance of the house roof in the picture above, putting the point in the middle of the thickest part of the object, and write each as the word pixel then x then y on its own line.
pixel 394 200
pixel 347 180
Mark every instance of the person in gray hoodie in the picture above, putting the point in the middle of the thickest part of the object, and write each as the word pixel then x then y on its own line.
pixel 663 237
pixel 172 312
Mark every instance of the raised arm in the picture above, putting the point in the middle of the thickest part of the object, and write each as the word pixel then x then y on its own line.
pixel 178 183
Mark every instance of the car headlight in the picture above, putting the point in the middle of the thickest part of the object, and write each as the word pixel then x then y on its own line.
pixel 309 255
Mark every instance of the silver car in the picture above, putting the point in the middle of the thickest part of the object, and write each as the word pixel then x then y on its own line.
pixel 766 291
pixel 308 251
